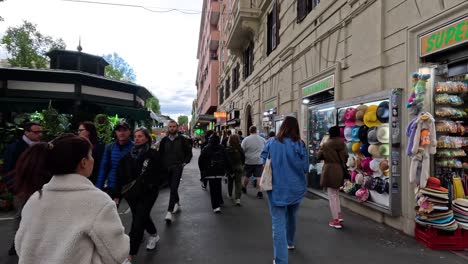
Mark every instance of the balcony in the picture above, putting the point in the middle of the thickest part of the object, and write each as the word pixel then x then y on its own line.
pixel 214 12
pixel 214 40
pixel 245 23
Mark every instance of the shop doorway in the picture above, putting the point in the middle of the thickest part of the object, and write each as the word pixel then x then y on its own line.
pixel 248 118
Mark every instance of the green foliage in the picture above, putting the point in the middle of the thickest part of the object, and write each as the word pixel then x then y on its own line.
pixel 152 104
pixel 182 120
pixel 27 47
pixel 119 69
pixel 53 123
pixel 104 126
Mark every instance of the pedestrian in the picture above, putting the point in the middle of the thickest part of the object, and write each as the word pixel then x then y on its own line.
pixel 29 176
pixel 271 135
pixel 236 159
pixel 107 178
pixel 69 220
pixel 32 135
pixel 226 138
pixel 139 174
pixel 214 164
pixel 334 154
pixel 253 146
pixel 88 130
pixel 240 135
pixel 176 153
pixel 208 134
pixel 289 164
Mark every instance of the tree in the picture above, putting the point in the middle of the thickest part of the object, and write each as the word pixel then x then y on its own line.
pixel 119 69
pixel 182 120
pixel 27 47
pixel 152 104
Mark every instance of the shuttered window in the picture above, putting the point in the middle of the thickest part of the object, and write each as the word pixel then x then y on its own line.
pixel 304 7
pixel 273 25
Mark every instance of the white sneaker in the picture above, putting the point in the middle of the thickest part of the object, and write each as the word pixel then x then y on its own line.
pixel 177 208
pixel 127 261
pixel 238 202
pixel 152 242
pixel 217 210
pixel 169 219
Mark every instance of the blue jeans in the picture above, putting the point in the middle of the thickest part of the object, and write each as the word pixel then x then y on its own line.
pixel 283 220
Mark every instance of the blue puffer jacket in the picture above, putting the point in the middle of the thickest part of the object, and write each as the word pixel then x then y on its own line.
pixel 108 170
pixel 289 163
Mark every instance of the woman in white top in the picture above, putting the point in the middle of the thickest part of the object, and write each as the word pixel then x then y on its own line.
pixel 69 220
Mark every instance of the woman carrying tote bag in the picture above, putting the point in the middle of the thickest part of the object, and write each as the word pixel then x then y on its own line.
pixel 289 164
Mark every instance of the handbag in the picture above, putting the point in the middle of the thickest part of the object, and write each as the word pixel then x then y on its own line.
pixel 127 187
pixel 266 181
pixel 346 175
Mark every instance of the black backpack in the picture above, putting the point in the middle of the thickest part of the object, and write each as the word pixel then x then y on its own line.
pixel 217 159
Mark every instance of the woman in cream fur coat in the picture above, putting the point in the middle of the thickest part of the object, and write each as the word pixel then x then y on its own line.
pixel 69 220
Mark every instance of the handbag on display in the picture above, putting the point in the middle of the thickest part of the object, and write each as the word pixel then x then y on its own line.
pixel 266 181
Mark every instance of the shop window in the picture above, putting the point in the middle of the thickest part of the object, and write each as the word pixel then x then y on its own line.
pixel 235 77
pixel 248 60
pixel 304 7
pixel 273 24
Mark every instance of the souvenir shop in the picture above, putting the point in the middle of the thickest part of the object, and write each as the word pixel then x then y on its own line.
pixel 437 133
pixel 370 127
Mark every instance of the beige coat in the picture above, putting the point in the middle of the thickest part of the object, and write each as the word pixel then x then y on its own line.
pixel 332 171
pixel 72 222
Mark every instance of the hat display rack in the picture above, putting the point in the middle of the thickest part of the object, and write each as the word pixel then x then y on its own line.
pixel 371 132
pixel 442 193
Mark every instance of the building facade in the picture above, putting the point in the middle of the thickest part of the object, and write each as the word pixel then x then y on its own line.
pixel 281 57
pixel 208 64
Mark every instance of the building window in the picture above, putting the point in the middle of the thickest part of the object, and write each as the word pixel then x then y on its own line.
pixel 235 77
pixel 248 61
pixel 304 7
pixel 273 28
pixel 228 87
pixel 221 95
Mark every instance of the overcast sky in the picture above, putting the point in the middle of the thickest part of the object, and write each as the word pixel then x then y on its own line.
pixel 161 47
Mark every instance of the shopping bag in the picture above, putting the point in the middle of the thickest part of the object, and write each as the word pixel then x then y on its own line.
pixel 266 183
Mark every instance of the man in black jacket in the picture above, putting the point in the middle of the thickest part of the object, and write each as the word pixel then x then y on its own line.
pixel 32 134
pixel 176 153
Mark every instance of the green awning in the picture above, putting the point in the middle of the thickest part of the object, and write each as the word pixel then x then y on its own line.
pixel 125 111
pixel 22 105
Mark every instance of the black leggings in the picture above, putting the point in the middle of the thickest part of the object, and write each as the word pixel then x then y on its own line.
pixel 141 206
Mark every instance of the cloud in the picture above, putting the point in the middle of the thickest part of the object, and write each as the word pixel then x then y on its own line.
pixel 161 47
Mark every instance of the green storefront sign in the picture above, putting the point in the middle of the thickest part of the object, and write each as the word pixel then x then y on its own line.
pixel 444 38
pixel 324 84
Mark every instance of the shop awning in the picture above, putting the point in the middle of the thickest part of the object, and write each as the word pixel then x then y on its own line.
pixel 123 111
pixel 23 105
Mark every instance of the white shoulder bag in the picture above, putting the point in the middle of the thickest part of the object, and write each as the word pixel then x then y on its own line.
pixel 266 181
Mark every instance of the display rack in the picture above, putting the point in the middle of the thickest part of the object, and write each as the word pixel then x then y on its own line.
pixel 450 113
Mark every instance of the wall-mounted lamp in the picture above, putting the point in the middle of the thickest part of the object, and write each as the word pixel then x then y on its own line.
pixel 266 113
pixel 305 101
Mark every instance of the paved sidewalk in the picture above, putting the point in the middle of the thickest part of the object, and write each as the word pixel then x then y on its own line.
pixel 243 234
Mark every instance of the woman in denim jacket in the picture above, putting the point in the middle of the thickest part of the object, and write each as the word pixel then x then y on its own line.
pixel 289 164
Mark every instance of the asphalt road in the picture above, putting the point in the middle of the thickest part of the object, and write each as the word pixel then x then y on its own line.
pixel 242 235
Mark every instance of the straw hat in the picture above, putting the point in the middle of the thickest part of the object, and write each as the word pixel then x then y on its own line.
pixel 383 133
pixel 360 111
